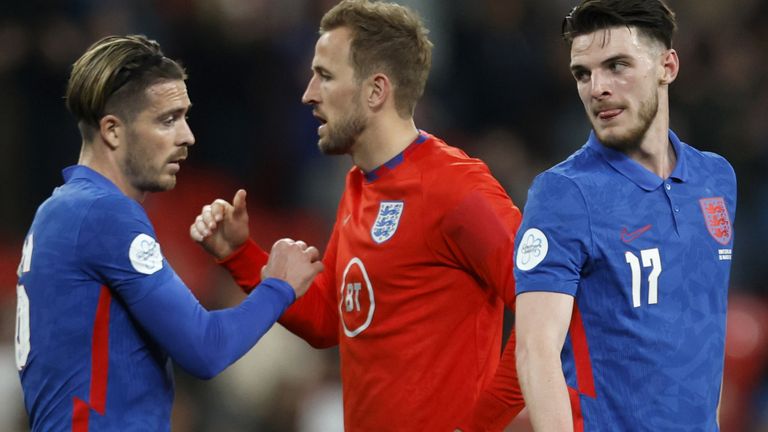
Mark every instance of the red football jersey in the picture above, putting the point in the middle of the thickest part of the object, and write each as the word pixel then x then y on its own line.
pixel 417 272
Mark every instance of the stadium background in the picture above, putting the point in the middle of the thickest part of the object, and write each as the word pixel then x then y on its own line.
pixel 500 89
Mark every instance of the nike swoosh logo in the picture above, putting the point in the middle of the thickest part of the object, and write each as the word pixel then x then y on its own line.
pixel 627 236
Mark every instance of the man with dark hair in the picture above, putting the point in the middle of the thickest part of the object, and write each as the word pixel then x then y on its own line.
pixel 625 248
pixel 100 311
pixel 419 266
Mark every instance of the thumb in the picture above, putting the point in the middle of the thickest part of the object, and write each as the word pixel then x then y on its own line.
pixel 239 204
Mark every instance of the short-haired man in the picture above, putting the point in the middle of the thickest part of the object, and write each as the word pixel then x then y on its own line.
pixel 419 266
pixel 625 248
pixel 100 311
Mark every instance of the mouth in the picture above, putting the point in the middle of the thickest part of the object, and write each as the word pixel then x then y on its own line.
pixel 175 163
pixel 606 114
pixel 323 121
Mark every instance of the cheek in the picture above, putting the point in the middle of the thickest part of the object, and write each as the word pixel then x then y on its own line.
pixel 584 93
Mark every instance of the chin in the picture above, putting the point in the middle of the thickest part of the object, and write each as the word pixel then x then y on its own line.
pixel 618 141
pixel 160 185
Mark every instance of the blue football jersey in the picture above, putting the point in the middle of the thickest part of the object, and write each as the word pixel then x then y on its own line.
pixel 100 310
pixel 647 261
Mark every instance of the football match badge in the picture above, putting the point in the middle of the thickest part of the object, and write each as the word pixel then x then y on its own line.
pixel 387 220
pixel 532 249
pixel 145 254
pixel 717 219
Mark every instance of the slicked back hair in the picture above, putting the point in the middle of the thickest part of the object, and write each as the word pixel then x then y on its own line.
pixel 112 76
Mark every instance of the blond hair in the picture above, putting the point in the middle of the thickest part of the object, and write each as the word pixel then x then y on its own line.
pixel 111 77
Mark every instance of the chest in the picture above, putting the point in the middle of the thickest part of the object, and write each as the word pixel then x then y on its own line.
pixel 670 246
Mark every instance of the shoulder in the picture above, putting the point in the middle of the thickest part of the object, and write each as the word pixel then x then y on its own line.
pixel 582 167
pixel 449 173
pixel 117 209
pixel 710 162
pixel 579 172
pixel 711 170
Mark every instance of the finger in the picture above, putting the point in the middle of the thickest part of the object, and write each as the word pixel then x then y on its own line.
pixel 283 242
pixel 239 203
pixel 313 253
pixel 201 226
pixel 207 215
pixel 318 266
pixel 197 234
pixel 301 244
pixel 219 209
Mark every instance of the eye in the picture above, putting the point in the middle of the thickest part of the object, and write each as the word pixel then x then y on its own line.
pixel 581 75
pixel 617 66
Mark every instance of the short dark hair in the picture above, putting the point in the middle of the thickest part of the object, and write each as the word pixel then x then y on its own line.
pixel 651 17
pixel 388 38
pixel 112 76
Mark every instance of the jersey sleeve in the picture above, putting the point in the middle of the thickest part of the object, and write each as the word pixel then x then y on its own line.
pixel 554 241
pixel 245 265
pixel 480 231
pixel 119 245
pixel 314 317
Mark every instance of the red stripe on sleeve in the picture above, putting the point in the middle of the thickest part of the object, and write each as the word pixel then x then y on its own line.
pixel 80 414
pixel 100 352
pixel 584 377
pixel 99 366
pixel 578 419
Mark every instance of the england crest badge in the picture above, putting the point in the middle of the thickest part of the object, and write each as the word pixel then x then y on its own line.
pixel 387 220
pixel 717 219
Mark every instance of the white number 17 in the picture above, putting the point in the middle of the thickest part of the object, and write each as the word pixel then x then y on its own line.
pixel 651 258
pixel 21 341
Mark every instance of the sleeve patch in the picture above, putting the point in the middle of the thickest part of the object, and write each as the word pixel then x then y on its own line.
pixel 532 250
pixel 145 254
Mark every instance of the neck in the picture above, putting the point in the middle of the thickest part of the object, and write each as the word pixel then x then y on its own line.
pixel 656 152
pixel 382 141
pixel 106 165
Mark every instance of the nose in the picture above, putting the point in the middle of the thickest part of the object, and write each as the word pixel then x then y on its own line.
pixel 311 95
pixel 600 84
pixel 186 137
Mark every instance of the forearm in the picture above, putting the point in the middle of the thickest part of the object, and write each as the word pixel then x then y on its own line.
pixel 204 343
pixel 314 317
pixel 245 265
pixel 544 389
pixel 501 401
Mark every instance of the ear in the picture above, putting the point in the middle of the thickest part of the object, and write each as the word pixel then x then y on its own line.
pixel 111 130
pixel 671 66
pixel 379 91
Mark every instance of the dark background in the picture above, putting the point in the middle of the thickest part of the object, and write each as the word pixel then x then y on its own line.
pixel 500 89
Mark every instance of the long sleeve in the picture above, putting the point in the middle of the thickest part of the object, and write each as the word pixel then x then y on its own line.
pixel 314 317
pixel 481 232
pixel 205 342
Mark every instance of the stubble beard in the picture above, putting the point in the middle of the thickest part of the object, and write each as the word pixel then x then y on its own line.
pixel 633 137
pixel 342 137
pixel 140 171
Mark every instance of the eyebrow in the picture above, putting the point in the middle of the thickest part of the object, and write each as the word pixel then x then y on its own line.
pixel 175 111
pixel 319 69
pixel 577 67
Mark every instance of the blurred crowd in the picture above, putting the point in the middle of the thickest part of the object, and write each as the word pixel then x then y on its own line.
pixel 500 89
